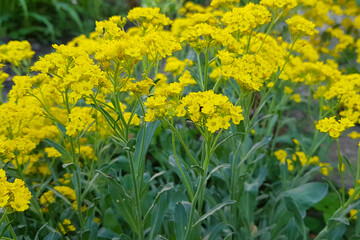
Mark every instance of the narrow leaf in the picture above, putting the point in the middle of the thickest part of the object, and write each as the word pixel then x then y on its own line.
pixel 213 210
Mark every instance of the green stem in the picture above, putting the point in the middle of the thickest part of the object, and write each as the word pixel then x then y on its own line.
pixel 182 142
pixel 206 69
pixel 338 213
pixel 268 31
pixel 10 227
pixel 311 151
pixel 199 190
pixel 217 84
pixel 187 185
pixel 340 170
pixel 200 71
pixel 137 199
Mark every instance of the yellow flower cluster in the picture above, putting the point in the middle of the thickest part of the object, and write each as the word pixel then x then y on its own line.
pixel 16 51
pixel 289 4
pixel 212 110
pixel 217 3
pixel 204 35
pixel 52 152
pixel 246 19
pixel 23 126
pixel 79 120
pixel 148 17
pixel 354 135
pixel 249 71
pixel 165 102
pixel 14 196
pixel 281 155
pixel 333 127
pixel 304 160
pixel 300 25
pixel 3 75
pixel 71 68
pixel 309 72
pixel 176 66
pixel 49 197
pixel 66 226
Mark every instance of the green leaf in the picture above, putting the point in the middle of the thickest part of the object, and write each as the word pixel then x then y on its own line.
pixel 53 236
pixel 306 195
pixel 348 166
pixel 184 178
pixel 229 236
pixel 255 148
pixel 224 165
pixel 58 147
pixel 49 26
pixel 107 234
pixel 24 8
pixel 142 144
pixel 181 220
pixel 72 13
pixel 293 208
pixel 358 2
pixel 333 188
pixel 340 219
pixel 213 210
pixel 157 215
pixel 110 221
pixel 166 188
pixel 215 232
pixel 123 202
pixel 198 169
pixel 38 232
pixel 145 188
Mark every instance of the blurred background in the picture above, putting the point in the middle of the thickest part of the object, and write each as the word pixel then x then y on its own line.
pixel 57 21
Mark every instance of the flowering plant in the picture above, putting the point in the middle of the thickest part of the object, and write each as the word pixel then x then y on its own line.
pixel 185 128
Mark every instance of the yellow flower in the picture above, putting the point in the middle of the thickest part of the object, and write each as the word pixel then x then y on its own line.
pixel 52 152
pixel 333 127
pixel 279 3
pixel 296 141
pixel 14 195
pixel 296 98
pixel 324 168
pixel 281 155
pixel 354 135
pixel 300 25
pixel 288 90
pixel 66 226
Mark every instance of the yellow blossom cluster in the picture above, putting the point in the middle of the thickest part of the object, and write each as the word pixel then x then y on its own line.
pixel 289 4
pixel 247 18
pixel 14 196
pixel 16 51
pixel 304 160
pixel 49 197
pixel 66 226
pixel 3 75
pixel 345 89
pixel 309 72
pixel 210 109
pixel 176 66
pixel 148 17
pixel 165 102
pixel 300 25
pixel 249 71
pixel 23 127
pixel 79 120
pixel 333 127
pixel 217 3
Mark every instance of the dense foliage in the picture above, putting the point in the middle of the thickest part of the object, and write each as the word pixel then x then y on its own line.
pixel 211 125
